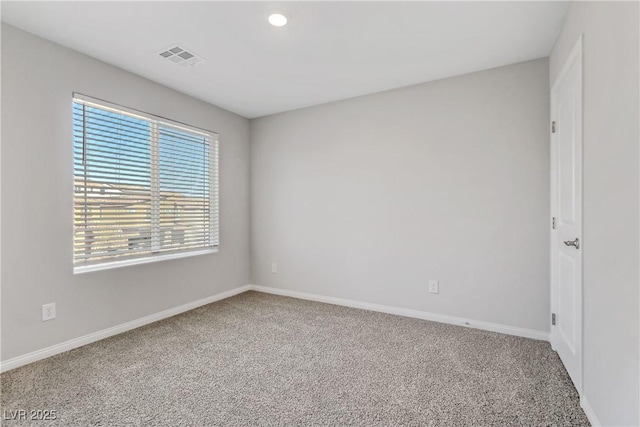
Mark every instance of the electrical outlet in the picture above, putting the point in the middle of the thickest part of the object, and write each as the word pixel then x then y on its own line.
pixel 274 268
pixel 434 287
pixel 49 311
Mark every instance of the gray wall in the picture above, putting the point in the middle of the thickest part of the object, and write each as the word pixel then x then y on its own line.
pixel 610 227
pixel 369 198
pixel 38 78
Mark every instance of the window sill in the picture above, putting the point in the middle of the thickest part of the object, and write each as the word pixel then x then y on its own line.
pixel 136 261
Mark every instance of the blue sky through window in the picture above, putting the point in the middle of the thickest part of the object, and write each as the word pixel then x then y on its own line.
pixel 119 146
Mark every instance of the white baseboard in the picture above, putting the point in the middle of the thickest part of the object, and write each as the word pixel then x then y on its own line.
pixel 442 318
pixel 588 411
pixel 115 330
pixel 34 356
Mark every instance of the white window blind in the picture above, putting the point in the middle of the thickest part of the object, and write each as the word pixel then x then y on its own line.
pixel 144 186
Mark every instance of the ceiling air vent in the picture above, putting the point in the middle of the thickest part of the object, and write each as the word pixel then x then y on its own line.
pixel 181 56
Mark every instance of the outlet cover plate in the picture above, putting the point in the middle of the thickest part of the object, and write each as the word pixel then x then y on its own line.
pixel 48 311
pixel 434 287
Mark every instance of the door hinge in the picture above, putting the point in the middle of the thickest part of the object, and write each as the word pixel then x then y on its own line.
pixel 553 223
pixel 553 319
pixel 553 126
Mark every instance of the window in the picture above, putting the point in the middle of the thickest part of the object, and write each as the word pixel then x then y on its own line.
pixel 145 188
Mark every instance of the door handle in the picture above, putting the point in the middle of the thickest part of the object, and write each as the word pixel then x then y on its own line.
pixel 575 243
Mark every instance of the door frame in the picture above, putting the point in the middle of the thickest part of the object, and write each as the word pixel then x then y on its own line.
pixel 576 56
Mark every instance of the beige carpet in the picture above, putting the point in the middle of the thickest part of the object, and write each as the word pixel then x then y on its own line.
pixel 258 359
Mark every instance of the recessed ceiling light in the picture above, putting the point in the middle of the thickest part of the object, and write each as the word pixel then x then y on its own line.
pixel 278 20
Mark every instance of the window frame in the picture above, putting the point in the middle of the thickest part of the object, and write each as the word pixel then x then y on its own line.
pixel 214 215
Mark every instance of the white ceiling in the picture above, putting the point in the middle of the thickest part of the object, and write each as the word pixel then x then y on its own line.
pixel 328 51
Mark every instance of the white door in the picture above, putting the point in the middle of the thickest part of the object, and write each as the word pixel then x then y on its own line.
pixel 566 211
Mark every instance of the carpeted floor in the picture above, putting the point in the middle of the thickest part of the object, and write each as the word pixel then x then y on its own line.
pixel 258 359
